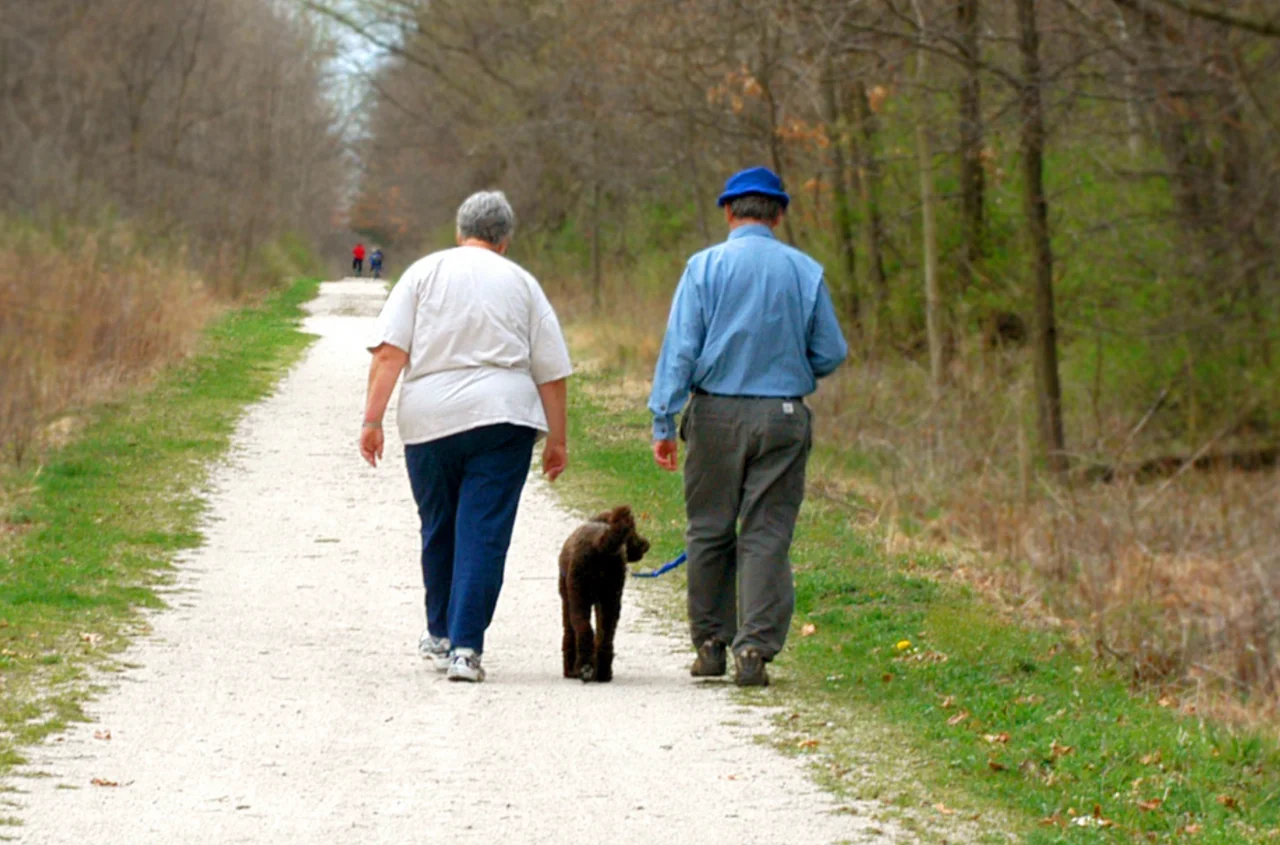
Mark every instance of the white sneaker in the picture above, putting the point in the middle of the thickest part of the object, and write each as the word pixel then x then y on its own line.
pixel 465 666
pixel 435 649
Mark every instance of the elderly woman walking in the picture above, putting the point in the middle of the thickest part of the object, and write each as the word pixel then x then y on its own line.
pixel 484 366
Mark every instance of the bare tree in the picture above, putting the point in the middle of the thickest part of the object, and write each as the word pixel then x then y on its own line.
pixel 1036 209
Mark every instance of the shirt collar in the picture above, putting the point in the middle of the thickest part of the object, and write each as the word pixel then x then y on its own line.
pixel 751 230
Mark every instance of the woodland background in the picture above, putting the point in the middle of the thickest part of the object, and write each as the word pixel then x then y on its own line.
pixel 156 160
pixel 1051 228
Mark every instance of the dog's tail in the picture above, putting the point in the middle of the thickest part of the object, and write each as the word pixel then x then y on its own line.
pixel 621 525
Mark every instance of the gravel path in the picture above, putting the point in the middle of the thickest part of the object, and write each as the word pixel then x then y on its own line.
pixel 280 698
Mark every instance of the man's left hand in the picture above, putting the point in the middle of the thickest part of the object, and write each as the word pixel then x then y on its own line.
pixel 666 454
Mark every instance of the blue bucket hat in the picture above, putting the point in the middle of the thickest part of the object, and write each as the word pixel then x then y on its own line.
pixel 754 180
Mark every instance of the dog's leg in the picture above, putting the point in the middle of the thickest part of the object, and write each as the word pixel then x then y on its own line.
pixel 586 669
pixel 568 645
pixel 608 611
pixel 580 619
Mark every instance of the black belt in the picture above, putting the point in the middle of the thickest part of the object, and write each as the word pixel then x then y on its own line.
pixel 698 391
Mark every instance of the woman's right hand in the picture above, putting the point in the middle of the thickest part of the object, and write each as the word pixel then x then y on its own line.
pixel 555 457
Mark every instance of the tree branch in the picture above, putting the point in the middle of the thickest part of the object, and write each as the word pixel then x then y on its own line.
pixel 1209 13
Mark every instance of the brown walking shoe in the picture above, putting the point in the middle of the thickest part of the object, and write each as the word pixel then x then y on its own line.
pixel 710 662
pixel 748 668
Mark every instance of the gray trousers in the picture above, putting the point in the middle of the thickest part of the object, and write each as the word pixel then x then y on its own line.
pixel 743 485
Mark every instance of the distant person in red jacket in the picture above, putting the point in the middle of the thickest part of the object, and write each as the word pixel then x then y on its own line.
pixel 357 259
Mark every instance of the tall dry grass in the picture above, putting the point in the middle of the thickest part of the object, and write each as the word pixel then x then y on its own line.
pixel 1175 574
pixel 1176 577
pixel 84 312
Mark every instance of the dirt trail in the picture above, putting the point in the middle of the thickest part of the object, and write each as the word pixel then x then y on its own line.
pixel 280 698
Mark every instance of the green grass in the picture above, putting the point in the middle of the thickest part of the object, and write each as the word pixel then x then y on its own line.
pixel 96 529
pixel 1018 729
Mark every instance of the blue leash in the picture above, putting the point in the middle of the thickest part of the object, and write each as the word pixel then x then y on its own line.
pixel 662 570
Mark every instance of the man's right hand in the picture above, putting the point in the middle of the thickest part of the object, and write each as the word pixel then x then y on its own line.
pixel 666 454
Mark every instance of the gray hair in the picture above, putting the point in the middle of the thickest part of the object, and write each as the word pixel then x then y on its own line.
pixel 488 216
pixel 755 207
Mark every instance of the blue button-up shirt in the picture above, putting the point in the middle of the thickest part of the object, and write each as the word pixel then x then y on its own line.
pixel 751 317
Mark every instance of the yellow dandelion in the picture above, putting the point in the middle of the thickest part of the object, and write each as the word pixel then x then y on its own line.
pixel 903 645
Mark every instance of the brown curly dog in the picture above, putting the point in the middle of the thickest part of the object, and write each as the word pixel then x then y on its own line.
pixel 593 570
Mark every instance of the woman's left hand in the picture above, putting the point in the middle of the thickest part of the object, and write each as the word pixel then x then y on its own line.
pixel 371 441
pixel 555 457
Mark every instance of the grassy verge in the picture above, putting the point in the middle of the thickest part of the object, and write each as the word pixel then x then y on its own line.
pixel 92 534
pixel 904 686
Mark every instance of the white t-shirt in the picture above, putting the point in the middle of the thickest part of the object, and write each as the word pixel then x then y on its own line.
pixel 481 336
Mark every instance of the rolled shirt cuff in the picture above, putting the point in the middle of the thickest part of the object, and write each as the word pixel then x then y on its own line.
pixel 664 428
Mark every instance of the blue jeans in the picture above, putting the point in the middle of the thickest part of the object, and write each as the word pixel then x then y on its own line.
pixel 467 487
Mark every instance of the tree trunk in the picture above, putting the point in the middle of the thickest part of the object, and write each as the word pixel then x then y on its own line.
pixel 929 223
pixel 1036 209
pixel 843 217
pixel 1132 110
pixel 700 204
pixel 765 78
pixel 868 173
pixel 972 175
pixel 597 273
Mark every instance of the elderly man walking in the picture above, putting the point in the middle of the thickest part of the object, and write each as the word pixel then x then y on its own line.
pixel 751 330
pixel 484 366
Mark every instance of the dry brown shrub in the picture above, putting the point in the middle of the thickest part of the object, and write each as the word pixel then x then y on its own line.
pixel 1178 577
pixel 85 312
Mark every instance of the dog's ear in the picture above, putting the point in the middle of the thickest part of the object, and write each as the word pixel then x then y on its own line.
pixel 637 547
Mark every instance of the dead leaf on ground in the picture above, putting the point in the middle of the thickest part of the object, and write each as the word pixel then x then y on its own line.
pixel 90 638
pixel 958 718
pixel 102 734
pixel 995 765
pixel 1150 759
pixel 948 702
pixel 1150 804
pixel 1191 829
pixel 104 782
pixel 1092 821
pixel 995 739
pixel 1167 701
pixel 944 809
pixel 808 629
pixel 1059 750
pixel 1228 801
pixel 807 743
pixel 1095 820
pixel 887 677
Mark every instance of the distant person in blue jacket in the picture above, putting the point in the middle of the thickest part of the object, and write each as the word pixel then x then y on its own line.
pixel 375 262
pixel 752 329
